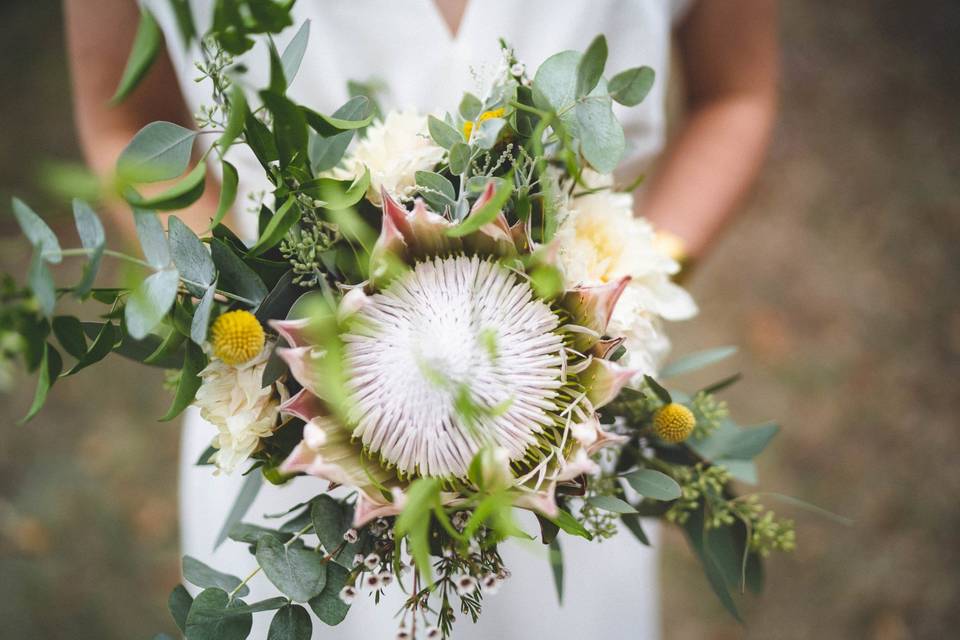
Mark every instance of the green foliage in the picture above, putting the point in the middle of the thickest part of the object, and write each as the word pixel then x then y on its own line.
pixel 146 46
pixel 205 576
pixel 180 196
pixel 653 484
pixel 556 568
pixel 630 87
pixel 696 361
pixel 293 54
pixel 159 151
pixel 214 616
pixel 442 133
pixel 590 66
pixel 290 622
pixel 328 606
pixel 92 238
pixel 179 604
pixel 194 360
pixel 298 572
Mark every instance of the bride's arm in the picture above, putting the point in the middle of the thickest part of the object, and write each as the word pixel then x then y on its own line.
pixel 99 35
pixel 730 64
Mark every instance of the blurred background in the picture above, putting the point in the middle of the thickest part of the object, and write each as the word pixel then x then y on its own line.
pixel 840 281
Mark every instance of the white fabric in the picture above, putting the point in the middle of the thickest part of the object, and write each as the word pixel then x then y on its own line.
pixel 611 589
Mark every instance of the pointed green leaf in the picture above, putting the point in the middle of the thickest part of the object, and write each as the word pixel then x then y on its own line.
pixel 286 216
pixel 356 113
pixel 194 361
pixel 293 53
pixel 191 256
pixel 50 366
pixel 201 316
pixel 611 503
pixel 632 522
pixel 70 334
pixel 653 484
pixel 630 87
pixel 289 128
pixel 556 568
pixel 662 394
pixel 146 45
pixel 568 523
pixel 106 338
pixel 236 117
pixel 590 67
pixel 180 196
pixel 487 132
pixel 159 151
pixel 235 276
pixel 228 192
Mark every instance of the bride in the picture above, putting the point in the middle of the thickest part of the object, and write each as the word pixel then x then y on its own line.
pixel 425 53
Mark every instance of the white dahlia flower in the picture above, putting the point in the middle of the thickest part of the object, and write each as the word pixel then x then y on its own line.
pixel 450 358
pixel 231 397
pixel 393 149
pixel 600 240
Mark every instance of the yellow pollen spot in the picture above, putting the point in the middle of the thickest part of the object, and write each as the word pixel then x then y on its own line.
pixel 237 337
pixel 674 422
pixel 486 115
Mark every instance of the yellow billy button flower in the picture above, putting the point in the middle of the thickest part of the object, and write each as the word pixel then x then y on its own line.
pixel 486 115
pixel 674 422
pixel 236 337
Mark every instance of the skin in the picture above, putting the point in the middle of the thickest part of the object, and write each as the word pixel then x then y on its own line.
pixel 730 68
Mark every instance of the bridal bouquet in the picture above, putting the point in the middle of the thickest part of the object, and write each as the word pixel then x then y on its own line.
pixel 444 317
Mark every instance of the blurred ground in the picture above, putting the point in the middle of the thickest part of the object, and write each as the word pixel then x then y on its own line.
pixel 840 282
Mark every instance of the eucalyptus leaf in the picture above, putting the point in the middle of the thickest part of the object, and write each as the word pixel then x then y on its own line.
pixel 159 151
pixel 436 182
pixel 153 241
pixel 328 606
pixel 260 140
pixel 291 622
pixel 590 66
pixel 194 360
pixel 662 394
pixel 653 484
pixel 331 519
pixel 298 572
pixel 338 194
pixel 151 301
pixel 632 522
pixel 568 523
pixel 209 618
pixel 235 276
pixel 630 87
pixel 205 576
pixel 191 256
pixel 40 281
pixel 201 316
pixel 40 236
pixel 179 604
pixel 602 141
pixel 146 46
pixel 611 503
pixel 92 238
pixel 292 55
pixel 289 129
pixel 357 113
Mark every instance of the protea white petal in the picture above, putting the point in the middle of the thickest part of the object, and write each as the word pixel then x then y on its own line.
pixel 450 327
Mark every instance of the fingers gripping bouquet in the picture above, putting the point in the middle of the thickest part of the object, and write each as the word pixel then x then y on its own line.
pixel 445 318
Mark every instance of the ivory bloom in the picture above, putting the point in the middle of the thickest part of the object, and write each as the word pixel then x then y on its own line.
pixel 393 149
pixel 231 398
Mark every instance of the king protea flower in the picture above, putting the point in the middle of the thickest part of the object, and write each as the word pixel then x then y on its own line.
pixel 454 356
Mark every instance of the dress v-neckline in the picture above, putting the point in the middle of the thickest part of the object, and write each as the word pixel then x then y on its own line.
pixel 453 32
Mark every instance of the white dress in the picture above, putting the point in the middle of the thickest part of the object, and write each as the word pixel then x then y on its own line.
pixel 611 589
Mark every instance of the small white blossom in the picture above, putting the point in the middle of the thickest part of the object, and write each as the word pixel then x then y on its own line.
pixel 403 634
pixel 358 559
pixel 465 584
pixel 372 582
pixel 351 536
pixel 491 583
pixel 348 594
pixel 386 579
pixel 371 561
pixel 517 69
pixel 433 632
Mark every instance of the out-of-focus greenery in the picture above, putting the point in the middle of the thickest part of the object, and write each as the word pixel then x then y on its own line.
pixel 839 281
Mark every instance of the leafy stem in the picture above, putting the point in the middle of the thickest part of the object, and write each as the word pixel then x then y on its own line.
pixel 250 576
